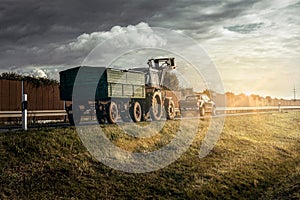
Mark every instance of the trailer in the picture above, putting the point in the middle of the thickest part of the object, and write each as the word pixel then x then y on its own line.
pixel 135 94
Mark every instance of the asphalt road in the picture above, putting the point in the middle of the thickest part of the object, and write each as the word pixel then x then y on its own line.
pixel 53 125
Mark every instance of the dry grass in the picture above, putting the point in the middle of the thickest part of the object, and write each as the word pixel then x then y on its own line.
pixel 256 157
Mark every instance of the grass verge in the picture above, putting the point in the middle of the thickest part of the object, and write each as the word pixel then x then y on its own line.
pixel 256 157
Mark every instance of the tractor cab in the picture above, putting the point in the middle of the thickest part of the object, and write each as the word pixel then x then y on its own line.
pixel 155 73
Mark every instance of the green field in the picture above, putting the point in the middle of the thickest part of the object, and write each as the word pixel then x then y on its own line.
pixel 256 157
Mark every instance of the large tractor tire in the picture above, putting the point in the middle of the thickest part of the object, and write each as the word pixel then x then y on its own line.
pixel 156 107
pixel 136 112
pixel 170 110
pixel 112 112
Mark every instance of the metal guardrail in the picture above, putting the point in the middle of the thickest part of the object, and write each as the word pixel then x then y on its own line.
pixel 33 113
pixel 46 113
pixel 255 109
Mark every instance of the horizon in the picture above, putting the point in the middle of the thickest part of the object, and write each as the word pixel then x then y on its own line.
pixel 180 88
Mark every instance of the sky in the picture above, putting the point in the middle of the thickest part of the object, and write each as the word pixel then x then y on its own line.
pixel 254 44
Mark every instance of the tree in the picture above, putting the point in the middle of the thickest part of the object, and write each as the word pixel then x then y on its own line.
pixel 36 81
pixel 269 99
pixel 11 76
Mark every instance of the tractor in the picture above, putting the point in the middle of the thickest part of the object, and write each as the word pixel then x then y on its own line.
pixel 135 94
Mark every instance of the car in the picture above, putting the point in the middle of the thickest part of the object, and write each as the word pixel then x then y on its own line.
pixel 198 104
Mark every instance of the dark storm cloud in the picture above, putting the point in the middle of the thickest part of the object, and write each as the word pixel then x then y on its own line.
pixel 31 18
pixel 22 19
pixel 27 18
pixel 30 30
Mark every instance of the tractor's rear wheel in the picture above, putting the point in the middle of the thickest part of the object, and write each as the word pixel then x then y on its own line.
pixel 156 107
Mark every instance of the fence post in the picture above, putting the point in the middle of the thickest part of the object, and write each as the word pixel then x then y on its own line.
pixel 65 117
pixel 24 111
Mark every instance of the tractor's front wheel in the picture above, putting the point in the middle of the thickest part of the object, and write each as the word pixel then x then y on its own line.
pixel 156 107
pixel 170 110
pixel 202 111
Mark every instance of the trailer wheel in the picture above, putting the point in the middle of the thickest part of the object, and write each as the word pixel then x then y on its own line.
pixel 71 119
pixel 156 108
pixel 70 111
pixel 170 110
pixel 99 114
pixel 136 112
pixel 112 113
